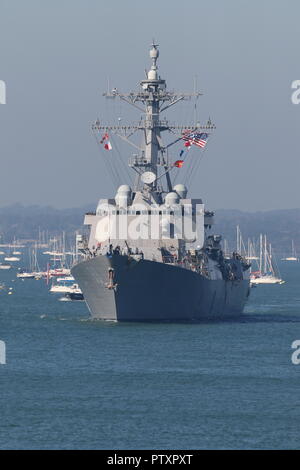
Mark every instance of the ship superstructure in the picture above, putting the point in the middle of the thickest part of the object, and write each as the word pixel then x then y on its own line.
pixel 151 253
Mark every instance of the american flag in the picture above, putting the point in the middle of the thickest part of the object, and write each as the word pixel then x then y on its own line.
pixel 196 138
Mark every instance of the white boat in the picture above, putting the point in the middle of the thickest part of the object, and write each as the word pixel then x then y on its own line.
pixel 13 252
pixel 59 289
pixel 75 293
pixel 57 247
pixel 266 279
pixel 59 272
pixel 65 279
pixel 268 272
pixel 248 253
pixel 65 289
pixel 25 275
pixel 5 266
pixel 11 258
pixel 294 256
pixel 33 271
pixel 251 254
pixel 63 284
pixel 40 275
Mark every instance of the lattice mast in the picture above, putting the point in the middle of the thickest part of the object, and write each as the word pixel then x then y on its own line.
pixel 152 154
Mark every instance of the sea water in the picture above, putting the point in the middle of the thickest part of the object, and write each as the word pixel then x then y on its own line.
pixel 73 383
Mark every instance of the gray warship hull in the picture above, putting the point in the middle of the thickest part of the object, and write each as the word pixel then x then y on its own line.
pixel 152 291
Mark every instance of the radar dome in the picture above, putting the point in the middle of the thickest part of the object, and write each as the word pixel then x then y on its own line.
pixel 123 196
pixel 171 199
pixel 181 190
pixel 124 189
pixel 154 53
pixel 152 75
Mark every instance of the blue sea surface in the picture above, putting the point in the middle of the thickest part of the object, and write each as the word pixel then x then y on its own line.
pixel 73 383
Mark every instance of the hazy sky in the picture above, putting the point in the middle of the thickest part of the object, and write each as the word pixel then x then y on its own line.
pixel 55 58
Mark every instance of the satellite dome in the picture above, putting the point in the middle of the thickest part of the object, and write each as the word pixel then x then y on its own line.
pixel 152 75
pixel 181 190
pixel 124 189
pixel 171 199
pixel 123 196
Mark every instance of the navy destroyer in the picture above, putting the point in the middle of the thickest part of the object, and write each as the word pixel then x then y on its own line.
pixel 151 254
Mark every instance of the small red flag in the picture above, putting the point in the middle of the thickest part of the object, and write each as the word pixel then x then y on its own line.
pixel 108 146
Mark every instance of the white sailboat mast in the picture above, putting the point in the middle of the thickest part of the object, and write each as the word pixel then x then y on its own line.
pixel 260 253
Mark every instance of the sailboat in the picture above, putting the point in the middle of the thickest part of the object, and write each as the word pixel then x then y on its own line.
pixel 56 251
pixel 251 254
pixel 58 260
pixel 268 272
pixel 34 269
pixel 294 256
pixel 63 285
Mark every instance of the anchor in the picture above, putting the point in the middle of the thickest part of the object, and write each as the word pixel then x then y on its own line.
pixel 110 284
